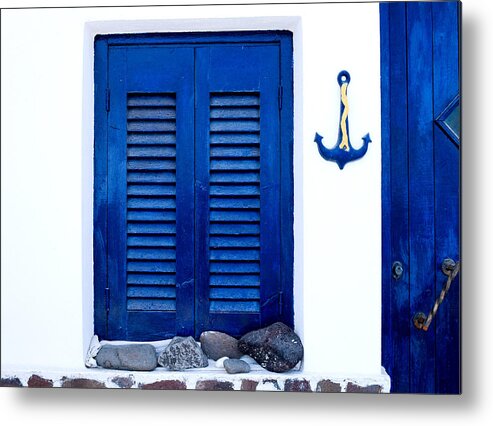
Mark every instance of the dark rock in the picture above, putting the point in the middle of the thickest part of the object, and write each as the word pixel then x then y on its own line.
pixel 353 388
pixel 165 385
pixel 249 385
pixel 123 382
pixel 82 383
pixel 10 382
pixel 295 385
pixel 213 385
pixel 218 345
pixel 273 382
pixel 328 386
pixel 276 348
pixel 127 357
pixel 36 381
pixel 183 353
pixel 234 366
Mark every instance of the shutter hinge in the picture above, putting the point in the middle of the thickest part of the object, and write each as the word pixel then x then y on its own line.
pixel 107 298
pixel 279 97
pixel 107 99
pixel 280 303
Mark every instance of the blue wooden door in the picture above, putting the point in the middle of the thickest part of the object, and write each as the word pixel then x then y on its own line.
pixel 421 190
pixel 191 141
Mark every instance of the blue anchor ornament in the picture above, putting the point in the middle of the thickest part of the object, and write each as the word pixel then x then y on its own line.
pixel 343 152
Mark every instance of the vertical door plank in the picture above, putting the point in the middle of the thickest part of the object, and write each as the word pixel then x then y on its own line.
pixel 421 191
pixel 447 201
pixel 399 197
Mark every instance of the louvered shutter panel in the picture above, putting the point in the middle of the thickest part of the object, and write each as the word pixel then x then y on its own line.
pixel 151 202
pixel 150 193
pixel 234 202
pixel 238 171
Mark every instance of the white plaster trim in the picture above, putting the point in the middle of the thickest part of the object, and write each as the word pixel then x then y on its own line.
pixel 254 23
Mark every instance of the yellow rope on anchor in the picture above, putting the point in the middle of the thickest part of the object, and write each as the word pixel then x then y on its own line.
pixel 345 140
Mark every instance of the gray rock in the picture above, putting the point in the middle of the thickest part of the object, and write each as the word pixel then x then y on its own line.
pixel 183 353
pixel 127 357
pixel 234 366
pixel 218 345
pixel 276 348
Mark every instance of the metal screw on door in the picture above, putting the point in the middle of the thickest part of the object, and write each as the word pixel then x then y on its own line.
pixel 450 268
pixel 397 270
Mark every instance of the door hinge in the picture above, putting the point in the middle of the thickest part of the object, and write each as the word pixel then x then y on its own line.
pixel 108 99
pixel 280 303
pixel 279 97
pixel 107 298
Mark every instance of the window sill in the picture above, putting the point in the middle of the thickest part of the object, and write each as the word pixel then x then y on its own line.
pixel 196 379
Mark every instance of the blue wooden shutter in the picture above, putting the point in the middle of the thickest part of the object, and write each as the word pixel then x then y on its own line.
pixel 189 203
pixel 150 193
pixel 238 187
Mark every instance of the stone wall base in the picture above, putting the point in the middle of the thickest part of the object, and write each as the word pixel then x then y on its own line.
pixel 162 379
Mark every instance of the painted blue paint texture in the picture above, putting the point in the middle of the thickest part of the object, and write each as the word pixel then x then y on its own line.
pixel 196 210
pixel 343 152
pixel 420 193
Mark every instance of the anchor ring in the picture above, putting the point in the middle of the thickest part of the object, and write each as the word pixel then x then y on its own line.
pixel 343 77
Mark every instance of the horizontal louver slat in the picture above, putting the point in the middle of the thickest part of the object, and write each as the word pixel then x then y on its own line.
pixel 152 292
pixel 134 304
pixel 234 229
pixel 151 138
pixel 151 228
pixel 234 216
pixel 151 254
pixel 151 216
pixel 151 151
pixel 234 241
pixel 234 306
pixel 151 177
pixel 234 190
pixel 151 202
pixel 226 151
pixel 235 293
pixel 217 139
pixel 235 113
pixel 151 190
pixel 244 280
pixel 151 241
pixel 155 113
pixel 234 255
pixel 151 279
pixel 234 203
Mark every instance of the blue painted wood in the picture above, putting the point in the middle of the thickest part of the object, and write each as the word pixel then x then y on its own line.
pixel 446 78
pixel 153 195
pixel 421 190
pixel 201 39
pixel 420 165
pixel 287 180
pixel 117 196
pixel 100 236
pixel 157 186
pixel 237 194
pixel 399 314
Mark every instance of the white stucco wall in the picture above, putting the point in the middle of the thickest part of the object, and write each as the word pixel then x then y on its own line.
pixel 46 147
